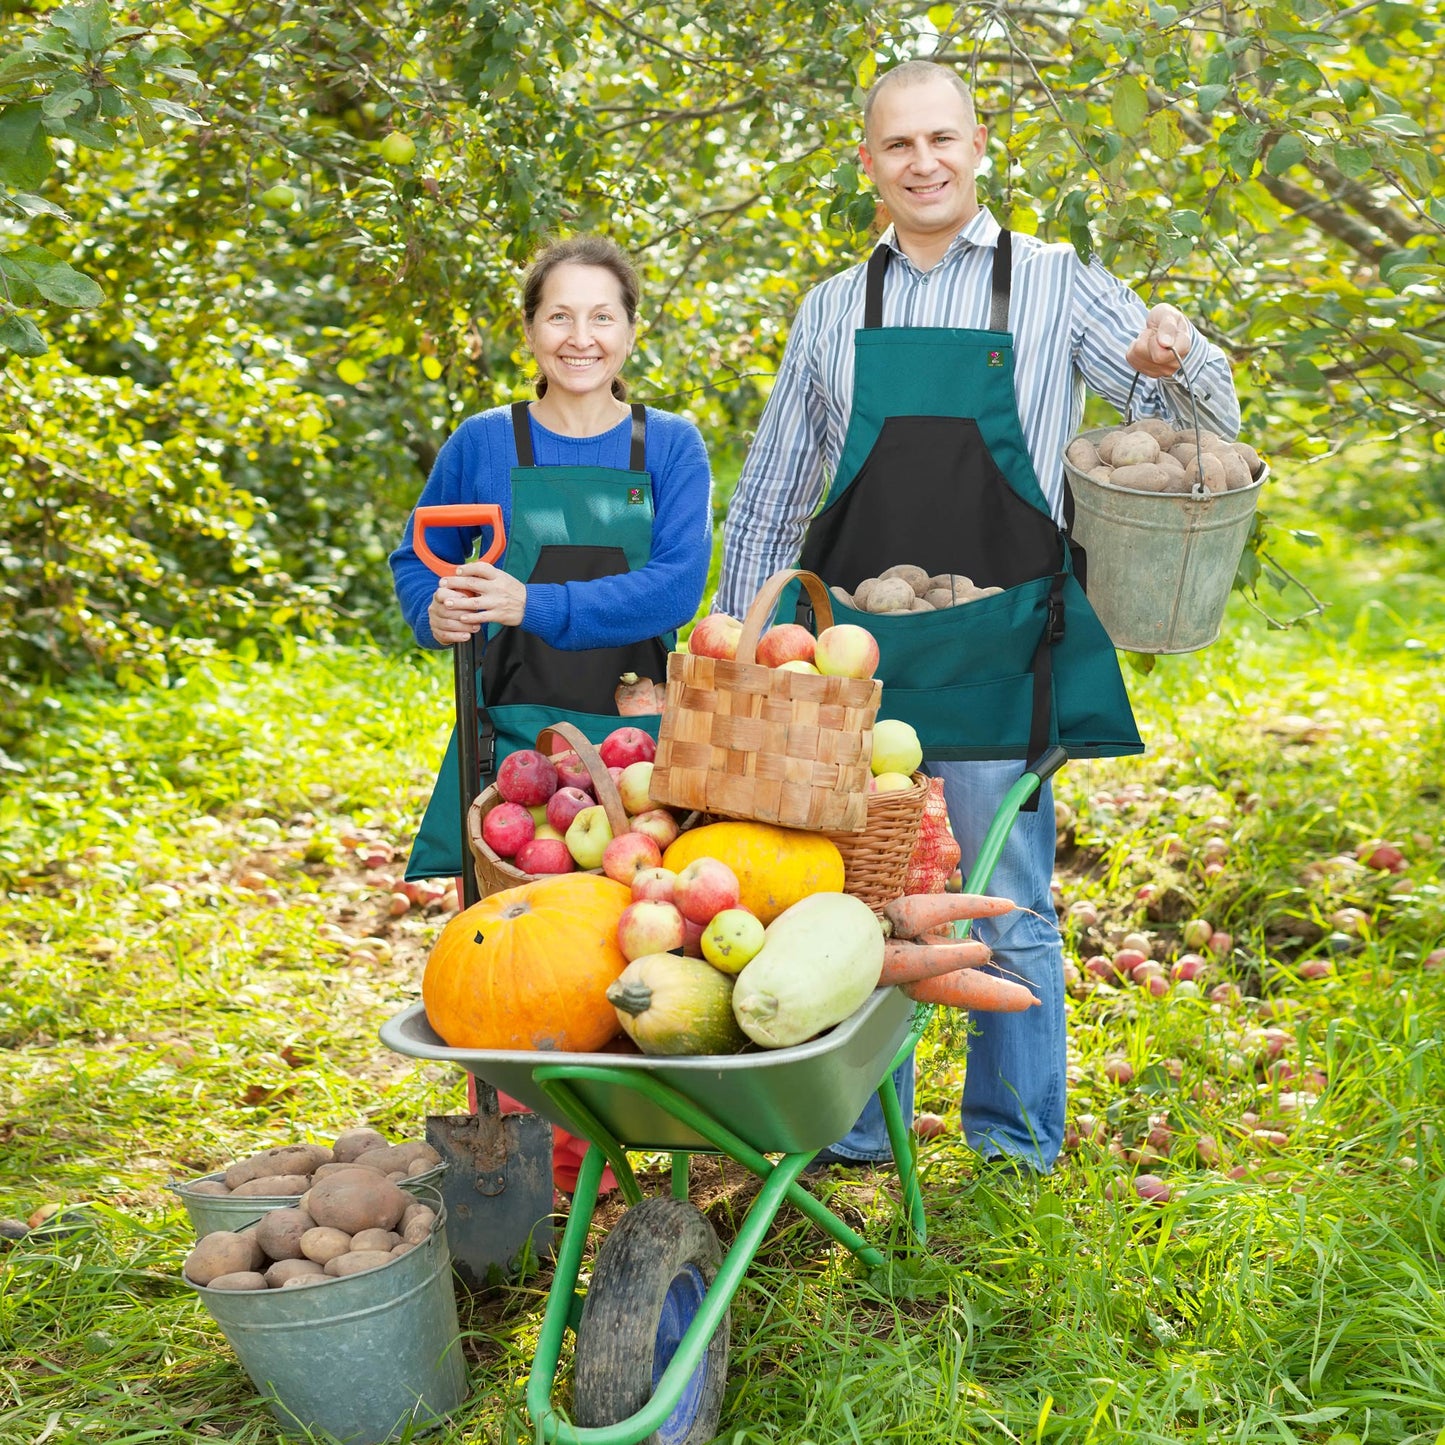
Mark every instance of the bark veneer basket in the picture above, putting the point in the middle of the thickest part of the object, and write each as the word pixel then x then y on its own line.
pixel 741 740
pixel 495 873
pixel 875 861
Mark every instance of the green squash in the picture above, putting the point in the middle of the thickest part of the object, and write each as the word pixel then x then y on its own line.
pixel 670 1005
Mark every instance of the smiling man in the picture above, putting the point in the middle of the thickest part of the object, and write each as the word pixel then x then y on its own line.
pixel 919 416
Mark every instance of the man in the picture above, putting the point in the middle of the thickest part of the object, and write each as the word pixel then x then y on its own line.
pixel 925 399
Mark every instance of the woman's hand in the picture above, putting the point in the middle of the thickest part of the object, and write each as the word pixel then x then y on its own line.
pixel 475 594
pixel 1162 345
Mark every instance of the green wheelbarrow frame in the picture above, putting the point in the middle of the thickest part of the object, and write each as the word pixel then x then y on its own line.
pixel 564 1090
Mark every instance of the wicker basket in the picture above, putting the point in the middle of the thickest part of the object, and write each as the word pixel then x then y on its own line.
pixel 875 861
pixel 740 740
pixel 495 873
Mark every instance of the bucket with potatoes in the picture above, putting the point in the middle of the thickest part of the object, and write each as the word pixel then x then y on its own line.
pixel 1163 514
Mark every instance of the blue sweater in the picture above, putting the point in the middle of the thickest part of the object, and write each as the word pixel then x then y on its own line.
pixel 475 465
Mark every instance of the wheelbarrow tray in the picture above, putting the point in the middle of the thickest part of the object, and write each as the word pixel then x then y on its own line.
pixel 780 1101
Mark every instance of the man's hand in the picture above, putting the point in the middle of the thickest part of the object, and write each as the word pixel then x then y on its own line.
pixel 1152 352
pixel 475 594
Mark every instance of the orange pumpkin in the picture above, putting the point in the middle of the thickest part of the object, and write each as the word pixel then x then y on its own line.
pixel 529 967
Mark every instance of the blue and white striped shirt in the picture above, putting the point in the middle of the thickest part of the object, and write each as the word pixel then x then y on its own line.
pixel 1071 324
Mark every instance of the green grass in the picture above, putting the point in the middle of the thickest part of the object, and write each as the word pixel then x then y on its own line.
pixel 158 1019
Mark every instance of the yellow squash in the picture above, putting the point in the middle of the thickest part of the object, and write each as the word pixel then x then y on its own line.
pixel 777 867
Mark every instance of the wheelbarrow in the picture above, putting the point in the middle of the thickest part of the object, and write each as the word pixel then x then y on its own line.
pixel 652 1332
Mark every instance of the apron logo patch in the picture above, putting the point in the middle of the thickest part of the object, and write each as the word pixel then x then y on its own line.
pixel 634 496
pixel 995 358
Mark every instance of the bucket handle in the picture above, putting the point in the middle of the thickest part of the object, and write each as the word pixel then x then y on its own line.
pixel 1200 491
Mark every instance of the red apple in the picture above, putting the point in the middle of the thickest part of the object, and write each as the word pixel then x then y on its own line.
pixel 1384 856
pixel 797 664
pixel 526 777
pixel 653 884
pixel 626 854
pixel 1189 966
pixel 650 925
pixel 632 786
pixel 506 827
pixel 658 824
pixel 588 835
pixel 715 635
pixel 704 888
pixel 624 746
pixel 544 855
pixel 845 650
pixel 572 772
pixel 692 938
pixel 565 804
pixel 787 642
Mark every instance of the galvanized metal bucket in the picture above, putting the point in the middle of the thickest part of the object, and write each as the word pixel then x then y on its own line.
pixel 208 1212
pixel 1160 564
pixel 362 1358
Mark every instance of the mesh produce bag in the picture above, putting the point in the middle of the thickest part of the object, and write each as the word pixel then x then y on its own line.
pixel 936 854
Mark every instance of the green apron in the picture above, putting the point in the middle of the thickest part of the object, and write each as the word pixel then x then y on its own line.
pixel 524 683
pixel 935 472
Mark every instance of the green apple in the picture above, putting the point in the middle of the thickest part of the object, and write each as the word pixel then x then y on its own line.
pixel 588 836
pixel 731 939
pixel 279 197
pixel 891 782
pixel 397 148
pixel 896 748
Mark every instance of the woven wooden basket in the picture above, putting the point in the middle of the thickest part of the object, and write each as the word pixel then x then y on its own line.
pixel 495 873
pixel 740 740
pixel 875 861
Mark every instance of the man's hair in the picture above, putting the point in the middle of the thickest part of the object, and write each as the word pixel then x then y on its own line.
pixel 915 72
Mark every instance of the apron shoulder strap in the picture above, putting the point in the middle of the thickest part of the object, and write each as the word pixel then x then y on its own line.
pixel 998 300
pixel 637 461
pixel 522 434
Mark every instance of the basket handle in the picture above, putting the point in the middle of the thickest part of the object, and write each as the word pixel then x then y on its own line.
pixel 602 784
pixel 767 599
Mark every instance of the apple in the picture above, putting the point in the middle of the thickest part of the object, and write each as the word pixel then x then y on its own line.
pixel 896 748
pixel 704 888
pixel 632 786
pixel 716 635
pixel 572 772
pixel 624 746
pixel 544 855
pixel 1196 933
pixel 658 824
pixel 797 665
pixel 653 883
pixel 397 148
pixel 588 836
pixel 731 939
pixel 787 642
pixel 626 854
pixel 565 804
pixel 891 783
pixel 546 830
pixel 845 650
pixel 279 197
pixel 526 777
pixel 506 827
pixel 692 938
pixel 650 925
pixel 538 812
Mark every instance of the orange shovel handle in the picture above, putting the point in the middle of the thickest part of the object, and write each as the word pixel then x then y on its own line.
pixel 458 514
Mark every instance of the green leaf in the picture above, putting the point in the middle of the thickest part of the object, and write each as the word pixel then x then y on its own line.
pixel 43 275
pixel 1165 137
pixel 1353 161
pixel 1191 223
pixel 1130 106
pixel 88 25
pixel 22 336
pixel 61 103
pixel 95 134
pixel 37 205
pixel 1287 151
pixel 1395 125
pixel 1140 662
pixel 1209 96
pixel 151 131
pixel 25 159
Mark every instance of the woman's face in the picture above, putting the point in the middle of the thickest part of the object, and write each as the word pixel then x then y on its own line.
pixel 580 334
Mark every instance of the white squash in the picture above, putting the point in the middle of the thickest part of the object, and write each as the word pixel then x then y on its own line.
pixel 820 959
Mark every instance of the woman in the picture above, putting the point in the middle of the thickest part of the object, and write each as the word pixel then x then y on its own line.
pixel 608 532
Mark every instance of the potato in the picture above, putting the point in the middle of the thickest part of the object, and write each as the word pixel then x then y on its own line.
pixel 1101 473
pixel 356 1199
pixel 369 1239
pixel 1251 457
pixel 1134 449
pixel 220 1252
pixel 940 597
pixel 890 594
pixel 398 1158
pixel 243 1279
pixel 285 1270
pixel 916 577
pixel 418 1212
pixel 1171 464
pixel 989 592
pixel 207 1186
pixel 355 1263
pixel 302 1281
pixel 323 1244
pixel 406 1247
pixel 418 1231
pixel 919 604
pixel 1141 477
pixel 1081 453
pixel 1212 475
pixel 280 1232
pixel 1236 470
pixel 287 1159
pixel 841 594
pixel 354 1142
pixel 1105 446
pixel 273 1186
pixel 322 1170
pixel 954 581
pixel 1158 428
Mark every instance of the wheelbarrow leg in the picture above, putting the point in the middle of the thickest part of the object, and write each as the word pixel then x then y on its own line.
pixel 497 1189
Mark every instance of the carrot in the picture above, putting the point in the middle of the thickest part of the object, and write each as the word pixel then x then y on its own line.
pixel 915 914
pixel 967 988
pixel 635 695
pixel 909 960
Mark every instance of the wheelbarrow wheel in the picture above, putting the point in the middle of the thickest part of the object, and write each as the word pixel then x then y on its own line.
pixel 647 1285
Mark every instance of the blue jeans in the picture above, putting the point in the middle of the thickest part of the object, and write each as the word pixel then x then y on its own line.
pixel 1013 1087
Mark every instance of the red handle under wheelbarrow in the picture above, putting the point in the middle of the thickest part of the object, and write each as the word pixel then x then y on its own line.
pixel 464 658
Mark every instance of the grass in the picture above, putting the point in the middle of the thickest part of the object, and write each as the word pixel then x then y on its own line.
pixel 157 1019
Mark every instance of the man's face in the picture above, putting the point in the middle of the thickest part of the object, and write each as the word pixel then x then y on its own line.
pixel 922 152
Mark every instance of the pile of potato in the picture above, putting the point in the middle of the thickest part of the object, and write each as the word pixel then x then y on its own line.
pixel 292 1169
pixel 1149 455
pixel 910 589
pixel 354 1219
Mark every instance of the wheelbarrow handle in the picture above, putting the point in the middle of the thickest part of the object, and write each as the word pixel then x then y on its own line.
pixel 457 514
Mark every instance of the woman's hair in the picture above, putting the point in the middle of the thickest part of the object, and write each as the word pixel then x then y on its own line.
pixel 580 251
